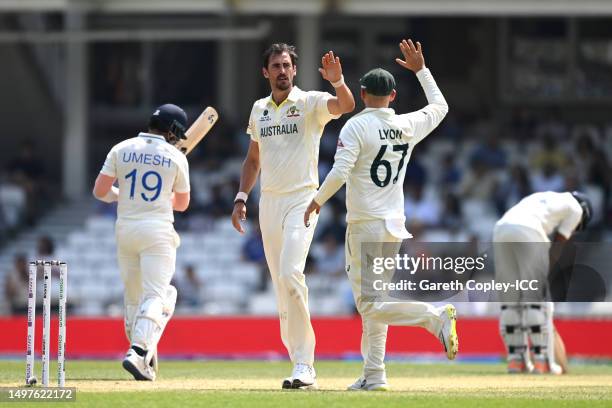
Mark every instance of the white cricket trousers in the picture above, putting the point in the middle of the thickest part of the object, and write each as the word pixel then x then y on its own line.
pixel 376 316
pixel 286 242
pixel 146 253
pixel 521 253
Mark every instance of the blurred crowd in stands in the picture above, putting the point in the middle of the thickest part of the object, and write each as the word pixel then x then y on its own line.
pixel 465 173
pixel 459 181
pixel 25 190
pixel 16 279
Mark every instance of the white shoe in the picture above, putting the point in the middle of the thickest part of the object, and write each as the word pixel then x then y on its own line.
pixel 138 367
pixel 362 385
pixel 303 376
pixel 448 335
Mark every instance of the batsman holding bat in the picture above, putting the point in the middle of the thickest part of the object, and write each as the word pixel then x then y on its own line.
pixel 373 149
pixel 522 240
pixel 153 177
pixel 285 130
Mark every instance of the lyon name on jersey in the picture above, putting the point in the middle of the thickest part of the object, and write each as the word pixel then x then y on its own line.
pixel 148 170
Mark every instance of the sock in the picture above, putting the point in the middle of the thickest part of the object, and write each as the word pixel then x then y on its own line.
pixel 139 351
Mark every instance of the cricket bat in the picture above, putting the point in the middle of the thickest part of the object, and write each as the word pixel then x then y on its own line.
pixel 198 130
pixel 560 354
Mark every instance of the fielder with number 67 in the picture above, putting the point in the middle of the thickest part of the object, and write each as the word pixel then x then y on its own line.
pixel 373 149
pixel 153 178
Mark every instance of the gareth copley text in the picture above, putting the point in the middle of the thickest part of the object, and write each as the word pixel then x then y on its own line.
pixel 456 285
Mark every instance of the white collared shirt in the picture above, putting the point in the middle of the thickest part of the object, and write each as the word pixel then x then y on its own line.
pixel 148 169
pixel 288 136
pixel 373 149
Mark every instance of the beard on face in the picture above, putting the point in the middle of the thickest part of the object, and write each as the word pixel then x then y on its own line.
pixel 283 83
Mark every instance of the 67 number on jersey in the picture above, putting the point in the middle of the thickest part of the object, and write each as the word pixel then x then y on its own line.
pixel 379 161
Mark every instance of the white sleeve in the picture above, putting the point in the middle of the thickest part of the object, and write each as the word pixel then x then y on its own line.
pixel 251 130
pixel 109 168
pixel 571 219
pixel 320 109
pixel 181 183
pixel 344 161
pixel 427 119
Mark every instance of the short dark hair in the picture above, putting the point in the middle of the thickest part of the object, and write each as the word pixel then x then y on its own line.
pixel 279 48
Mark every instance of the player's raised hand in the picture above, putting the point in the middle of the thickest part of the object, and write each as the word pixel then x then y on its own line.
pixel 238 215
pixel 331 69
pixel 413 56
pixel 313 206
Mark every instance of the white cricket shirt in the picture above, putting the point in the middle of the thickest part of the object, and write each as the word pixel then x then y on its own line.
pixel 373 149
pixel 546 212
pixel 288 136
pixel 148 169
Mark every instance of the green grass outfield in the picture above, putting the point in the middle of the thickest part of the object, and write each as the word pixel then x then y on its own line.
pixel 257 383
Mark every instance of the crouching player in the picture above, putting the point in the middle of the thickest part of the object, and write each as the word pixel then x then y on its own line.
pixel 373 148
pixel 153 178
pixel 522 240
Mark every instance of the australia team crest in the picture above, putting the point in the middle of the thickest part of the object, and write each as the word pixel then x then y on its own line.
pixel 293 112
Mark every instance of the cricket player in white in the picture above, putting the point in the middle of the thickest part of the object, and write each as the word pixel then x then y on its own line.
pixel 153 178
pixel 522 240
pixel 285 130
pixel 373 149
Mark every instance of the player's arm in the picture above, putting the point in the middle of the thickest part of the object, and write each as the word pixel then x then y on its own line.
pixel 557 248
pixel 180 201
pixel 344 161
pixel 248 177
pixel 104 190
pixel 572 216
pixel 103 187
pixel 181 189
pixel 331 70
pixel 428 118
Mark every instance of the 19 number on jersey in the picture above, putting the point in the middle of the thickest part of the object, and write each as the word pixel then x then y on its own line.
pixel 379 161
pixel 150 181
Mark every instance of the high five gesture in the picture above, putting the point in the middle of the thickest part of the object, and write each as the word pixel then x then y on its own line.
pixel 413 56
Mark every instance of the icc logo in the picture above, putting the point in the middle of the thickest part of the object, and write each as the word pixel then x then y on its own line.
pixel 264 116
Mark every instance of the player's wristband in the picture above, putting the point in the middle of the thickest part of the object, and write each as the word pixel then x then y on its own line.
pixel 339 82
pixel 241 197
